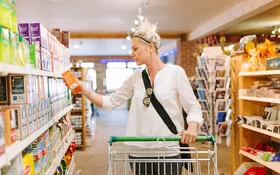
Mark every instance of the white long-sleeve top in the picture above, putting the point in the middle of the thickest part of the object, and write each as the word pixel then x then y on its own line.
pixel 171 88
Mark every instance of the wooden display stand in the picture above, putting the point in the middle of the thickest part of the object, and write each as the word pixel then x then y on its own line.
pixel 245 135
pixel 82 111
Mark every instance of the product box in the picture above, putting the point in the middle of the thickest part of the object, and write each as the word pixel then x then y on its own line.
pixel 14 26
pixel 24 52
pixel 71 81
pixel 15 168
pixel 24 31
pixel 45 87
pixel 39 35
pixel 5 14
pixel 19 114
pixel 4 90
pixel 10 123
pixel 4 45
pixel 46 62
pixel 28 164
pixel 65 38
pixel 18 89
pixel 2 134
pixel 35 58
pixel 273 63
pixel 14 57
pixel 58 34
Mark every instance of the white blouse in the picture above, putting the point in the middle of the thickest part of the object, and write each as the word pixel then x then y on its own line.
pixel 173 91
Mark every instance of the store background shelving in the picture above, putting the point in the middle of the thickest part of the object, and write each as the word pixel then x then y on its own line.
pixel 247 135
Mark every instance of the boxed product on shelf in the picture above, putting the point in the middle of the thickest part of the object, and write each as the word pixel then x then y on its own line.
pixel 58 34
pixel 65 38
pixel 14 48
pixel 13 17
pixel 15 168
pixel 46 62
pixel 18 89
pixel 39 35
pixel 35 60
pixel 10 122
pixel 23 51
pixel 5 14
pixel 20 114
pixel 45 87
pixel 273 63
pixel 28 164
pixel 4 98
pixel 2 136
pixel 4 45
pixel 24 31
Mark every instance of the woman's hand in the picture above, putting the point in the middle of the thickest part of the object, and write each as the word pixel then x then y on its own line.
pixel 189 135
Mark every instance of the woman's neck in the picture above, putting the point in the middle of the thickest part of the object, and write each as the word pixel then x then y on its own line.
pixel 154 67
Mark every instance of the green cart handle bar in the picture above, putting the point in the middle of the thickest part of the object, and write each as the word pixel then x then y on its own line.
pixel 154 138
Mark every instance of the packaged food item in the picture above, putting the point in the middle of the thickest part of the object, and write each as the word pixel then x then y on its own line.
pixel 71 81
pixel 4 45
pixel 4 90
pixel 5 14
pixel 2 136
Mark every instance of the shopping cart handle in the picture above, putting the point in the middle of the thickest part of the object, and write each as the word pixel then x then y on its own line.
pixel 154 138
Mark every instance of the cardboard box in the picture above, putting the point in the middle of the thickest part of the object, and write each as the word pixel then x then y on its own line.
pixel 5 14
pixel 10 123
pixel 18 89
pixel 4 98
pixel 71 81
pixel 65 38
pixel 39 35
pixel 14 43
pixel 24 31
pixel 58 34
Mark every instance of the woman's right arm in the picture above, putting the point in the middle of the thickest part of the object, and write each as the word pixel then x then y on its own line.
pixel 94 97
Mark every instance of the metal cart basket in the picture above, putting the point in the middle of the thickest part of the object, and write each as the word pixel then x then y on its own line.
pixel 164 160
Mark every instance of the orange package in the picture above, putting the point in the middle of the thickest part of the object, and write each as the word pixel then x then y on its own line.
pixel 71 81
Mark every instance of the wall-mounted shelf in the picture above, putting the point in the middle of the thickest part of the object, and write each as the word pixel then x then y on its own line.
pixel 16 148
pixel 272 134
pixel 275 166
pixel 14 69
pixel 260 99
pixel 259 73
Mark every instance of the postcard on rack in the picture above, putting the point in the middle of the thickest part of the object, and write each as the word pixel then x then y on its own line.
pixel 201 72
pixel 221 93
pixel 201 83
pixel 221 105
pixel 220 82
pixel 220 71
pixel 202 94
pixel 204 105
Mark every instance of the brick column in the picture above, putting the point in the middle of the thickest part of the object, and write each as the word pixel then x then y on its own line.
pixel 184 55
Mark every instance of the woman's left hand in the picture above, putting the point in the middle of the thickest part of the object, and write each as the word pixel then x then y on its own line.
pixel 189 135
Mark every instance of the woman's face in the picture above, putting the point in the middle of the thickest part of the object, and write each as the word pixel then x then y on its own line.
pixel 139 51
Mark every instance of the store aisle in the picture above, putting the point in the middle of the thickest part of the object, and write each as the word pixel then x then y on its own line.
pixel 94 160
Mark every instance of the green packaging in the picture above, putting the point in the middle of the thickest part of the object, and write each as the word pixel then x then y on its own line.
pixel 24 52
pixel 32 52
pixel 14 48
pixel 4 45
pixel 5 14
pixel 14 27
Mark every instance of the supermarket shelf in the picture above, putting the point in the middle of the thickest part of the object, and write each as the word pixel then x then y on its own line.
pixel 71 168
pixel 17 147
pixel 14 69
pixel 260 99
pixel 77 110
pixel 272 134
pixel 275 166
pixel 65 143
pixel 259 73
pixel 77 129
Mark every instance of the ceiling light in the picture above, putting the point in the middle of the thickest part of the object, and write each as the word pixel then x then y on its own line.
pixel 273 32
pixel 128 37
pixel 279 29
pixel 76 46
pixel 141 17
pixel 136 22
pixel 133 29
pixel 124 47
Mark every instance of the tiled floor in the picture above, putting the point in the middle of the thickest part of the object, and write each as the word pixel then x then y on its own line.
pixel 94 161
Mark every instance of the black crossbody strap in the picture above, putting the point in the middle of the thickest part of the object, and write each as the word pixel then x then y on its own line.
pixel 159 108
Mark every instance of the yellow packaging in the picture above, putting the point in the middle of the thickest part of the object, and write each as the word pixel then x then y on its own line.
pixel 71 81
pixel 28 164
pixel 5 14
pixel 24 52
pixel 13 17
pixel 14 48
pixel 4 45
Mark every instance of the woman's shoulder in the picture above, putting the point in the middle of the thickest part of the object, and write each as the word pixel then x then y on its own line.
pixel 174 67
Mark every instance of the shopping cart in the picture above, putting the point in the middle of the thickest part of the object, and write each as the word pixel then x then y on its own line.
pixel 163 160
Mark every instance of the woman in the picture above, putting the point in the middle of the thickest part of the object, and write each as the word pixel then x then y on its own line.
pixel 170 86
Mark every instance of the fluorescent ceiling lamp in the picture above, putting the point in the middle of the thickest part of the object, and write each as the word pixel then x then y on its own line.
pixel 76 46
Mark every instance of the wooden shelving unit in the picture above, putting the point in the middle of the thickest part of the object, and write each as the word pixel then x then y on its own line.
pixel 81 111
pixel 249 106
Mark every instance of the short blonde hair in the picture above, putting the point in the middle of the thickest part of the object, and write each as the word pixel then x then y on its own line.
pixel 147 32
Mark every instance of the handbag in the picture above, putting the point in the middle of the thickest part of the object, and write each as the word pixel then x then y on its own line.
pixel 151 98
